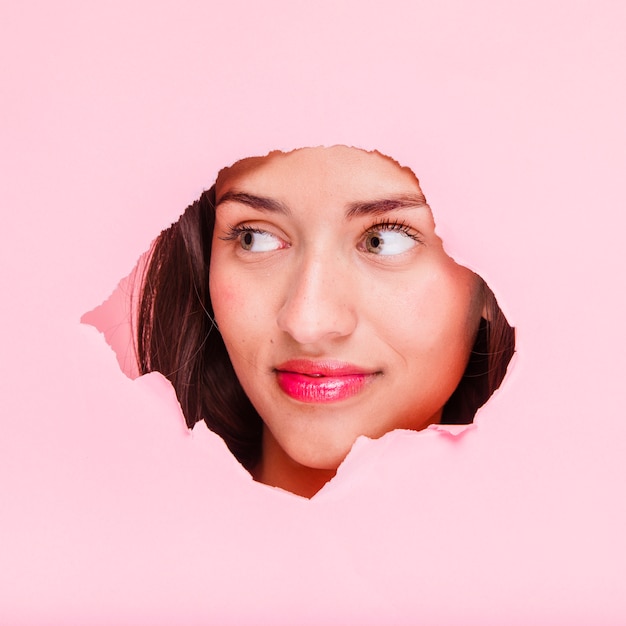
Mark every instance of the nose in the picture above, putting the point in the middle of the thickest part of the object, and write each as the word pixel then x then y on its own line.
pixel 320 303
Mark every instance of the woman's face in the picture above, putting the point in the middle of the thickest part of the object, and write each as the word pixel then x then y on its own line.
pixel 341 312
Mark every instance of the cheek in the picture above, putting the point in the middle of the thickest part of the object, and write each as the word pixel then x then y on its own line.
pixel 434 310
pixel 223 294
pixel 242 307
pixel 226 298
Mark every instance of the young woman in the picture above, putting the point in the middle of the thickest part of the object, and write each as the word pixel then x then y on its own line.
pixel 305 300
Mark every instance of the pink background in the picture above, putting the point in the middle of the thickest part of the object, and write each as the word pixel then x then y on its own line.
pixel 116 115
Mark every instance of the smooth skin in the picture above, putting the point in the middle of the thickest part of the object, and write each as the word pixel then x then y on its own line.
pixel 329 255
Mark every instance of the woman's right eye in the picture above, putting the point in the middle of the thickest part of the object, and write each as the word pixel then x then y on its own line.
pixel 256 240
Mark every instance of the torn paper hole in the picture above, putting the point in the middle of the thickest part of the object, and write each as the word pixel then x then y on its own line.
pixel 303 301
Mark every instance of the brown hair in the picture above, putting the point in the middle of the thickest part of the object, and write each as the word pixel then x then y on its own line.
pixel 176 335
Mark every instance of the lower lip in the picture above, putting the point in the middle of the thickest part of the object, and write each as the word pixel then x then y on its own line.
pixel 320 389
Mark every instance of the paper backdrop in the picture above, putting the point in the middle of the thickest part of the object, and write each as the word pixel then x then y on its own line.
pixel 116 115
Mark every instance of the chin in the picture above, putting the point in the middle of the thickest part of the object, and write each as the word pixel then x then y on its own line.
pixel 313 459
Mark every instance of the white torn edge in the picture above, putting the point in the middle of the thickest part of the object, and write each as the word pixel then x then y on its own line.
pixel 128 286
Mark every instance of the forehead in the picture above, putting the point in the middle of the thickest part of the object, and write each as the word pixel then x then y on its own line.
pixel 335 172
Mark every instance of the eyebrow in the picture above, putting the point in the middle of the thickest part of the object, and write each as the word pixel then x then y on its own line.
pixel 378 207
pixel 268 205
pixel 354 209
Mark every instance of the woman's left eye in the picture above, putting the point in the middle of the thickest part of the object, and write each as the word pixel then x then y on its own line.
pixel 389 239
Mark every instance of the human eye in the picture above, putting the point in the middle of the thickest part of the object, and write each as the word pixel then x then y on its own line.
pixel 389 238
pixel 252 239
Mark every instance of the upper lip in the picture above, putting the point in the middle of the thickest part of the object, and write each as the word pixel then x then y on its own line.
pixel 322 367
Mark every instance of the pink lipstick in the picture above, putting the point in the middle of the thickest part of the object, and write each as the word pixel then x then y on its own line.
pixel 321 381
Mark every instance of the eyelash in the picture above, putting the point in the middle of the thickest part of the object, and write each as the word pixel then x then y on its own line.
pixel 399 226
pixel 234 232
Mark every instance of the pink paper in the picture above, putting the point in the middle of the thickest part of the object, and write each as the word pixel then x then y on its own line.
pixel 116 117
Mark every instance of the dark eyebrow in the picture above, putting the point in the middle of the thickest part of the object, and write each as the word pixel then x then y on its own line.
pixel 355 209
pixel 256 202
pixel 378 207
